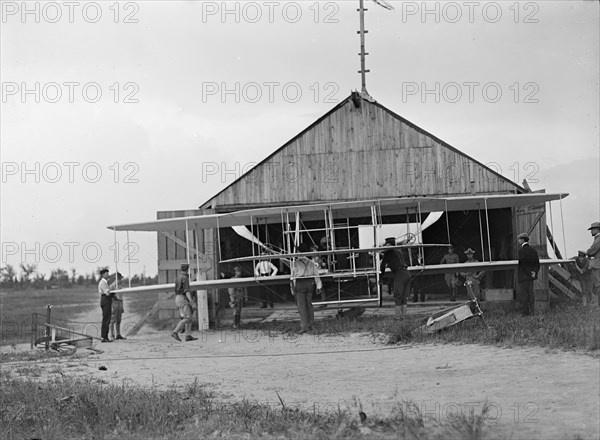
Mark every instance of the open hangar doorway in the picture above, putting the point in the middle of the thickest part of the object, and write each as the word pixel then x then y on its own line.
pixel 469 229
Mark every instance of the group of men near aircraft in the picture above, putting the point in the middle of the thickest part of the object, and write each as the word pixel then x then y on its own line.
pixel 305 276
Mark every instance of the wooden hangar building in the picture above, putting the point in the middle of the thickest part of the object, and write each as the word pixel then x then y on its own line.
pixel 361 150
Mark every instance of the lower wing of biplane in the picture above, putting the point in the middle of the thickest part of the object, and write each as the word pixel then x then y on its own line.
pixel 342 276
pixel 212 284
pixel 485 266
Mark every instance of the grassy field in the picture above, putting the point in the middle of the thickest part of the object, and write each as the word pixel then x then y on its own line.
pixel 17 306
pixel 32 407
pixel 567 326
pixel 83 409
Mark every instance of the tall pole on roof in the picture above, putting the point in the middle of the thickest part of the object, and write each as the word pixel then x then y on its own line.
pixel 363 71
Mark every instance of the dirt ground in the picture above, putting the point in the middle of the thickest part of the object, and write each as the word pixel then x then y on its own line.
pixel 529 393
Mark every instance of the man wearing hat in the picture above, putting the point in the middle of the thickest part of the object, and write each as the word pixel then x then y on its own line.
pixel 527 270
pixel 236 298
pixel 185 304
pixel 473 278
pixel 394 259
pixel 593 253
pixel 450 278
pixel 106 298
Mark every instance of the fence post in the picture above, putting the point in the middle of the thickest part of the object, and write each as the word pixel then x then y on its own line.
pixel 33 328
pixel 48 308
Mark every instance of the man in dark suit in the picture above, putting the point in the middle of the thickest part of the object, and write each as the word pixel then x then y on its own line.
pixel 394 259
pixel 527 270
pixel 593 253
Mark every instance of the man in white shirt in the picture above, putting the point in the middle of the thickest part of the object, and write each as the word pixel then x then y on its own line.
pixel 264 268
pixel 304 277
pixel 105 304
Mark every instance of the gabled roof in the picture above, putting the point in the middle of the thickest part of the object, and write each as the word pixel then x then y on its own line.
pixel 357 98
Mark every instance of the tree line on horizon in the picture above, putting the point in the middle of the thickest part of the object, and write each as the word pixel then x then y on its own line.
pixel 29 278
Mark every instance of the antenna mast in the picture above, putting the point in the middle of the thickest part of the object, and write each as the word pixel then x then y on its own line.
pixel 363 71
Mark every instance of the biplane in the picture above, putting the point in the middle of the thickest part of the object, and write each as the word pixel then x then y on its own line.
pixel 347 236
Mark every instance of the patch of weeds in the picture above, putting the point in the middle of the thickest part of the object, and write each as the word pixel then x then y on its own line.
pixel 72 408
pixel 568 326
pixel 57 369
pixel 33 355
pixel 29 371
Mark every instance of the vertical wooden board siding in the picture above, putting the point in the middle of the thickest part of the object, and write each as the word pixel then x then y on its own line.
pixel 390 170
pixel 359 185
pixel 371 175
pixel 398 182
pixel 354 144
pixel 339 122
pixel 396 133
pixel 373 153
pixel 373 140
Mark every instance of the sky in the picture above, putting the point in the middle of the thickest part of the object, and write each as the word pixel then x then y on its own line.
pixel 113 111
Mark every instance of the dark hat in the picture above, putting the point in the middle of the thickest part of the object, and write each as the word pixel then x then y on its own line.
pixel 103 271
pixel 523 235
pixel 594 225
pixel 185 267
pixel 303 247
pixel 469 251
pixel 391 240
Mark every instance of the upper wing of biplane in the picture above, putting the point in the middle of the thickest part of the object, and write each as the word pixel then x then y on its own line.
pixel 360 208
